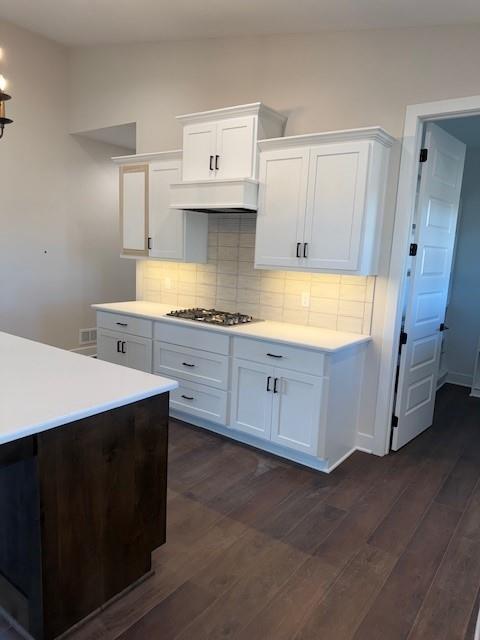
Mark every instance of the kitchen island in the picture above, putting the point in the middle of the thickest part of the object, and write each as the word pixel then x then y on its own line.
pixel 83 464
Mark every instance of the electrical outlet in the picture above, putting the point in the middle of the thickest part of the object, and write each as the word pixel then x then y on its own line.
pixel 305 298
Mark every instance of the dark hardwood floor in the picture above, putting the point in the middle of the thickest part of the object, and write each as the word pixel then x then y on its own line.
pixel 260 549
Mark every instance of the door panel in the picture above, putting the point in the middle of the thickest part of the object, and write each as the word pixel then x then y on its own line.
pixel 108 346
pixel 198 145
pixel 134 209
pixel 235 148
pixel 335 206
pixel 282 204
pixel 251 402
pixel 138 353
pixel 167 226
pixel 436 223
pixel 297 410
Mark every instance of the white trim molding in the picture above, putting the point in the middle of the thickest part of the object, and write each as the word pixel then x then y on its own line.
pixel 376 134
pixel 416 116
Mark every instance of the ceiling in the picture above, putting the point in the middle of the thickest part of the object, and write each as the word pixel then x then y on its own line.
pixel 89 22
pixel 465 129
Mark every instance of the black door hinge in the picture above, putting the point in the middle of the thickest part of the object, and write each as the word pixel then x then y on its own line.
pixel 423 155
pixel 403 337
pixel 413 249
pixel 394 422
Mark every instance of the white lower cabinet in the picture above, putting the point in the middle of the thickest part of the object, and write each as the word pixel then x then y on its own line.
pixel 200 401
pixel 277 404
pixel 297 402
pixel 297 411
pixel 251 398
pixel 126 349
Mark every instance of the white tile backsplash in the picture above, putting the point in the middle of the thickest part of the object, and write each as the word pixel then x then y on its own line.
pixel 230 282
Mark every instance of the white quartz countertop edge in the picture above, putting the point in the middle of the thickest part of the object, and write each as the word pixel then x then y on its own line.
pixel 44 387
pixel 286 333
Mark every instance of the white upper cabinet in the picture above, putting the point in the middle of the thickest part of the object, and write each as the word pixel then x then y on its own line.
pixel 150 228
pixel 222 144
pixel 282 204
pixel 134 209
pixel 199 144
pixel 321 201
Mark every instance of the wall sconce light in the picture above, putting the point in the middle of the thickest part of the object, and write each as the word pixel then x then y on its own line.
pixel 3 98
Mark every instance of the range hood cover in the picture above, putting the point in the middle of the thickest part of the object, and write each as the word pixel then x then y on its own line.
pixel 215 196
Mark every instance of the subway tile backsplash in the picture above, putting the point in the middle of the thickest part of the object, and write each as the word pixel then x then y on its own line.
pixel 229 282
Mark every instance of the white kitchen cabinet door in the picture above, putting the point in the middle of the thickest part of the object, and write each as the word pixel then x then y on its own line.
pixel 122 348
pixel 235 148
pixel 252 396
pixel 137 353
pixel 282 207
pixel 297 405
pixel 199 144
pixel 109 346
pixel 167 226
pixel 336 205
pixel 134 209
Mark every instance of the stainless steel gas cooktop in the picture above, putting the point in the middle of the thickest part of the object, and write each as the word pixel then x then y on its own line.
pixel 212 316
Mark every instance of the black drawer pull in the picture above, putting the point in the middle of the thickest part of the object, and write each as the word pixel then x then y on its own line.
pixel 123 347
pixel 122 324
pixel 273 355
pixel 299 244
pixel 187 397
pixel 211 163
pixel 119 342
pixel 275 382
pixel 187 364
pixel 268 383
pixel 305 250
pixel 216 162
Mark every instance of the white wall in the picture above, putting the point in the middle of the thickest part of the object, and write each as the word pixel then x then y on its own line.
pixel 322 81
pixel 463 316
pixel 58 242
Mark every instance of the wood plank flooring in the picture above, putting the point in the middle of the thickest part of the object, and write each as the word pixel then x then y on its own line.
pixel 260 549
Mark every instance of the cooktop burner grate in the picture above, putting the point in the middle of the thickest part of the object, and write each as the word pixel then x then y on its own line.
pixel 212 316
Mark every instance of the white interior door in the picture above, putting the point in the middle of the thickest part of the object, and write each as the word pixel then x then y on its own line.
pixel 281 210
pixel 436 223
pixel 166 225
pixel 235 148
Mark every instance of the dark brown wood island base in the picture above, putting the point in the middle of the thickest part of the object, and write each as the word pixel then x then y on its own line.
pixel 82 507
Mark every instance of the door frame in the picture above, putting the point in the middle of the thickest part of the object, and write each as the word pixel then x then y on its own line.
pixel 415 118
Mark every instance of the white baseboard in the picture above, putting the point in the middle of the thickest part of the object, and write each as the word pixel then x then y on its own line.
pixel 364 442
pixel 462 379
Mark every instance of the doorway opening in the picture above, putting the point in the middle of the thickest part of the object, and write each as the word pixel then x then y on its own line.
pixel 439 301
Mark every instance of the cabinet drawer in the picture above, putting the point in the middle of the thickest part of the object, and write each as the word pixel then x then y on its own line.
pixel 175 361
pixel 126 324
pixel 280 355
pixel 190 337
pixel 201 401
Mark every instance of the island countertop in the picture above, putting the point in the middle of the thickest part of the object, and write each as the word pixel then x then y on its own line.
pixel 43 387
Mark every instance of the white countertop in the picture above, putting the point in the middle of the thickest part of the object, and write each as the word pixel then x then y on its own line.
pixel 294 334
pixel 42 387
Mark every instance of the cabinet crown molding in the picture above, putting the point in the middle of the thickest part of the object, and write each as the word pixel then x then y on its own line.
pixel 148 157
pixel 253 109
pixel 376 134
